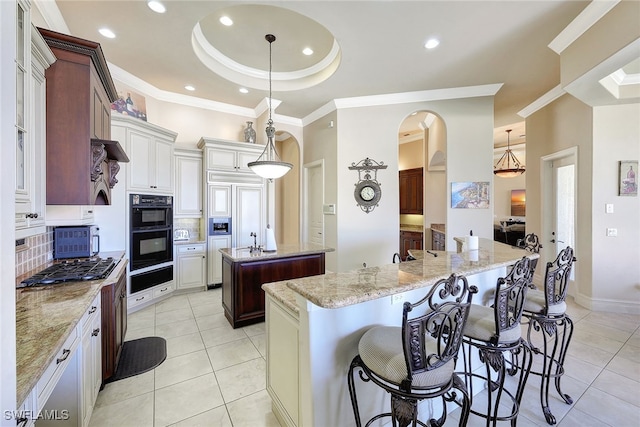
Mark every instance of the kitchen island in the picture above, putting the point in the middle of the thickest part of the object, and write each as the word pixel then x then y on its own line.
pixel 49 321
pixel 244 271
pixel 314 325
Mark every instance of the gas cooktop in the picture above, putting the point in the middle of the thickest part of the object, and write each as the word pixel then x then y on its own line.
pixel 72 271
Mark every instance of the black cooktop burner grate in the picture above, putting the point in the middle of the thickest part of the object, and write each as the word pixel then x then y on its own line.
pixel 72 271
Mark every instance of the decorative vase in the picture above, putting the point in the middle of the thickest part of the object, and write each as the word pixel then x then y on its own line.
pixel 250 133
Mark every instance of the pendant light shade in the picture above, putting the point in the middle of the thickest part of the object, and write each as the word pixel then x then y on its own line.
pixel 269 165
pixel 508 166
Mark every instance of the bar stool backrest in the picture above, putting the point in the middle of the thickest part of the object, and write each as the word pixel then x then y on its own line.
pixel 510 295
pixel 432 333
pixel 556 280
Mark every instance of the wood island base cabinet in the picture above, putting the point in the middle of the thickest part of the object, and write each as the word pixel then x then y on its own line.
pixel 242 294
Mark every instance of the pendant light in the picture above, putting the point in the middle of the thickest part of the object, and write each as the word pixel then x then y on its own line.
pixel 269 165
pixel 504 167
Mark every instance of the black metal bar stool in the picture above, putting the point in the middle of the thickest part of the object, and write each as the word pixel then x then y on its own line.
pixel 531 243
pixel 496 335
pixel 546 311
pixel 416 361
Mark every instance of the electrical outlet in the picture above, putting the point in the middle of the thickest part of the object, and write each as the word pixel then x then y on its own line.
pixel 608 208
pixel 612 232
pixel 397 298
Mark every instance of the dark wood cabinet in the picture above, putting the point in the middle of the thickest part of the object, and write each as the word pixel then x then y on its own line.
pixel 437 240
pixel 242 294
pixel 410 240
pixel 411 191
pixel 81 160
pixel 114 324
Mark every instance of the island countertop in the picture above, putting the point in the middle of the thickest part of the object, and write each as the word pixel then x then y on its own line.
pixel 283 251
pixel 45 316
pixel 335 290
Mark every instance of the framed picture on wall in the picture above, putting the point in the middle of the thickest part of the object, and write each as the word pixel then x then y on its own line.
pixel 627 181
pixel 470 195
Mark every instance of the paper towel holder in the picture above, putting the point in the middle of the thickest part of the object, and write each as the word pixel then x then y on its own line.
pixel 270 240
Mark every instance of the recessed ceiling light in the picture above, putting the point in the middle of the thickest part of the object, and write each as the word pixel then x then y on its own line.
pixel 156 6
pixel 107 33
pixel 243 90
pixel 189 87
pixel 431 43
pixel 307 51
pixel 225 20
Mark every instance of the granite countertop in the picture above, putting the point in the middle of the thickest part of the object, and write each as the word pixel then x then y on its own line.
pixel 46 315
pixel 244 254
pixel 335 290
pixel 188 242
pixel 412 228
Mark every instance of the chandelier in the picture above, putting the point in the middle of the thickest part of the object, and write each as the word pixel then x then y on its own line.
pixel 508 166
pixel 269 165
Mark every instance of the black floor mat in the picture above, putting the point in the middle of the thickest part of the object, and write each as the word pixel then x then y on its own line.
pixel 140 356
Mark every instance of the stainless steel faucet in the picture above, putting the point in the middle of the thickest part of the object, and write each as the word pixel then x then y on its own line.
pixel 255 247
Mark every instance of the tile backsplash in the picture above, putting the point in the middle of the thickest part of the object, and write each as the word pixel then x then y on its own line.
pixel 36 251
pixel 191 224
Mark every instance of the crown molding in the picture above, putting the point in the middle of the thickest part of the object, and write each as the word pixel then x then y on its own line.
pixel 585 20
pixel 52 16
pixel 542 102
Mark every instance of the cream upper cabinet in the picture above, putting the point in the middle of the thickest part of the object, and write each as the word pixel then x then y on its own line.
pixel 34 57
pixel 229 156
pixel 219 200
pixel 188 176
pixel 150 151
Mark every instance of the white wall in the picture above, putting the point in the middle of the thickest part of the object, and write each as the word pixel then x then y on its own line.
pixel 616 266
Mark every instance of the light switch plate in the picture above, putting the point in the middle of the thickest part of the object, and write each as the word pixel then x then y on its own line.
pixel 608 208
pixel 612 232
pixel 329 209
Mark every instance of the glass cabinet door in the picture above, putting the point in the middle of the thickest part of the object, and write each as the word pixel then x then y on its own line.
pixel 21 152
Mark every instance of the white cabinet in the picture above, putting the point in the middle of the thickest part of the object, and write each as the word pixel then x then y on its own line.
pixel 191 265
pixel 232 158
pixel 214 257
pixel 219 200
pixel 33 57
pixel 91 359
pixel 150 151
pixel 188 186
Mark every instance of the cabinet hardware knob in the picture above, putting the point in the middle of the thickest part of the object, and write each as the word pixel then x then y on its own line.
pixel 93 309
pixel 95 332
pixel 65 354
pixel 35 215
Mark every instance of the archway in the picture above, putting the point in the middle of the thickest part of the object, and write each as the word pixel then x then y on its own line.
pixel 287 192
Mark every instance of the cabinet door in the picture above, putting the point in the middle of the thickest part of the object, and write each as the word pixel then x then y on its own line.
pixel 214 258
pixel 163 167
pixel 141 161
pixel 244 158
pixel 191 269
pixel 188 200
pixel 249 215
pixel 219 200
pixel 411 191
pixel 221 159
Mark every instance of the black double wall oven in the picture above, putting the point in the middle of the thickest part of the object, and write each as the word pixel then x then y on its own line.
pixel 150 240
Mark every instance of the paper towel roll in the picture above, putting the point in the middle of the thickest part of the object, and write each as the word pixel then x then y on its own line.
pixel 473 255
pixel 472 243
pixel 270 245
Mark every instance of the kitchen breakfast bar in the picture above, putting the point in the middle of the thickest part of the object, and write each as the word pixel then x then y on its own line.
pixel 313 326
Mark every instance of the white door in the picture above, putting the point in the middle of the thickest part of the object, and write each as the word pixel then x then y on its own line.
pixel 560 215
pixel 314 203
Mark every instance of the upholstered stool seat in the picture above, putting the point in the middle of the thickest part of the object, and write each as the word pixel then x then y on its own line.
pixel 416 361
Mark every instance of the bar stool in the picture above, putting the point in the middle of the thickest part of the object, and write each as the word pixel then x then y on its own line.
pixel 531 243
pixel 547 318
pixel 416 361
pixel 496 335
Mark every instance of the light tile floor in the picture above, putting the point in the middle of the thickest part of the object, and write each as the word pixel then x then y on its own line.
pixel 215 375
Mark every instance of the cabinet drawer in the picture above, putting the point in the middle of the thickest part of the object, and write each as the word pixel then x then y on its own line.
pixel 139 298
pixel 90 313
pixel 163 290
pixel 191 249
pixel 54 371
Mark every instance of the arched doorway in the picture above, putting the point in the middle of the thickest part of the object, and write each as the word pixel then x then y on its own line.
pixel 422 145
pixel 287 192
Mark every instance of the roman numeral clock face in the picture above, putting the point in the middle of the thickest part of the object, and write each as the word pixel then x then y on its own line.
pixel 367 194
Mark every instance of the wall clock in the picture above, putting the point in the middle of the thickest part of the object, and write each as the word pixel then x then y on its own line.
pixel 367 190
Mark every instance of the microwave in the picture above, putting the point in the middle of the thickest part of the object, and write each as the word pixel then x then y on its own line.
pixel 76 242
